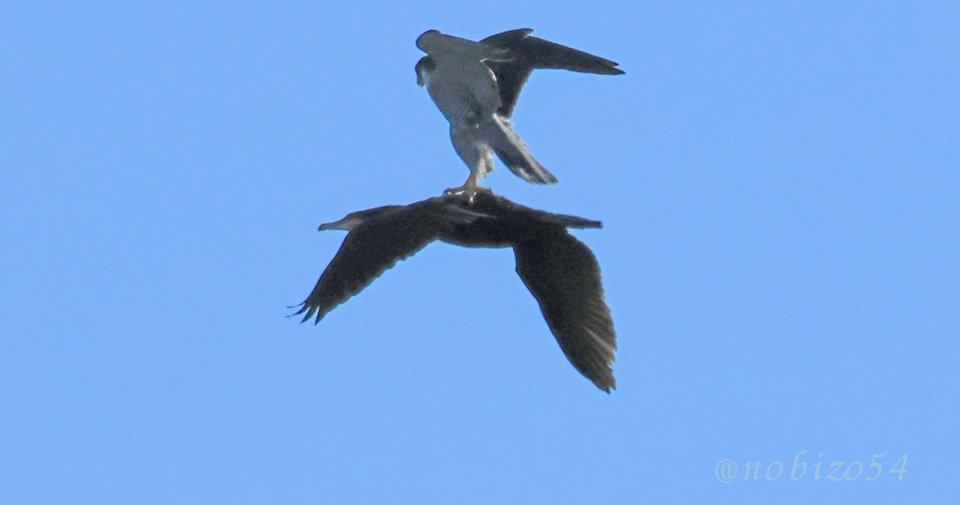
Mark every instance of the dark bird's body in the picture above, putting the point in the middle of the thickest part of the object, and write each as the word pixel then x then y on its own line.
pixel 476 85
pixel 559 270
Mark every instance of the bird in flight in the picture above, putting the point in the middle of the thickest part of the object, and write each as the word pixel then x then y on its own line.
pixel 559 270
pixel 476 84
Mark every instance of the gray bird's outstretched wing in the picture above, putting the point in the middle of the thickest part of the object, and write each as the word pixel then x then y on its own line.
pixel 530 53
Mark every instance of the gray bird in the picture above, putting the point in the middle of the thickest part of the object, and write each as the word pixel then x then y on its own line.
pixel 559 270
pixel 476 84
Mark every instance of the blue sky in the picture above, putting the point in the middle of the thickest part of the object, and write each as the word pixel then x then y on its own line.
pixel 780 194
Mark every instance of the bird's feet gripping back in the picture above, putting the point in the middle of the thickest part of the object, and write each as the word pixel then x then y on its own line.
pixel 468 190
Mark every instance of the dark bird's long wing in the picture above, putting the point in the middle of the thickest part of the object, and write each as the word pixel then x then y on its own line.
pixel 531 53
pixel 367 252
pixel 564 276
pixel 488 202
pixel 492 204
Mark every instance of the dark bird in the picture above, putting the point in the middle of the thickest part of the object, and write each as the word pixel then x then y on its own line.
pixel 559 270
pixel 476 84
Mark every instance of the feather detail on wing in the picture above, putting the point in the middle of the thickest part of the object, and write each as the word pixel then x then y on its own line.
pixel 531 53
pixel 564 276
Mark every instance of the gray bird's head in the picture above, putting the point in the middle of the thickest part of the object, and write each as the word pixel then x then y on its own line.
pixel 424 68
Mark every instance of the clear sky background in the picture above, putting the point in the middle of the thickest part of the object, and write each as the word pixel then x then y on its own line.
pixel 780 190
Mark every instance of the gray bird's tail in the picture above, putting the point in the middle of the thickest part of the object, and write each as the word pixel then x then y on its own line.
pixel 512 151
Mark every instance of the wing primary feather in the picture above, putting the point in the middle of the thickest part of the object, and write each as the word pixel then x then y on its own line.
pixel 531 53
pixel 564 276
pixel 368 251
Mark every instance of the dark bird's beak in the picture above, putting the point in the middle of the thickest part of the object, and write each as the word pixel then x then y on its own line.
pixel 347 223
pixel 334 225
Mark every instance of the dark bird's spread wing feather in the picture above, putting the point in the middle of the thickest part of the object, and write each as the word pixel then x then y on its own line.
pixel 564 276
pixel 365 254
pixel 494 204
pixel 531 53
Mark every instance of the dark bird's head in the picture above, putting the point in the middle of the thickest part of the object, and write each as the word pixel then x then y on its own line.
pixel 355 219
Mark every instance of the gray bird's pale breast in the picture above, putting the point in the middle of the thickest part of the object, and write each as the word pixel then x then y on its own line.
pixel 464 90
